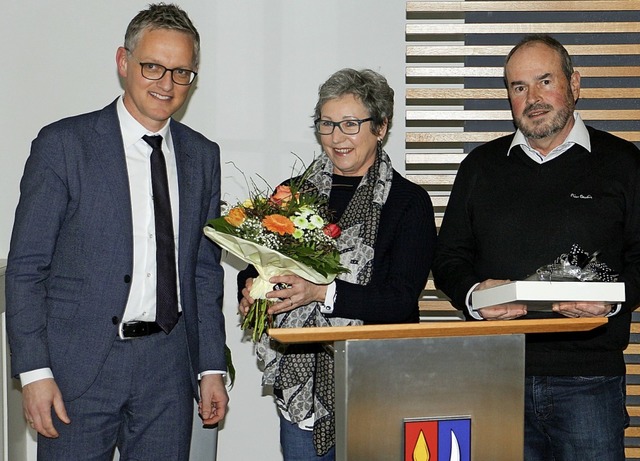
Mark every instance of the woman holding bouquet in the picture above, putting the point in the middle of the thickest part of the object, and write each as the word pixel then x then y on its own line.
pixel 387 239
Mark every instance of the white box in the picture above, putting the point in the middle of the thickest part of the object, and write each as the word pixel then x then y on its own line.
pixel 539 295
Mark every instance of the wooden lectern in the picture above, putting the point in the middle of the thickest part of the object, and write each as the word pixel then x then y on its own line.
pixel 442 391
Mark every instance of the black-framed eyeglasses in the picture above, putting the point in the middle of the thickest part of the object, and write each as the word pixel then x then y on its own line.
pixel 153 71
pixel 349 127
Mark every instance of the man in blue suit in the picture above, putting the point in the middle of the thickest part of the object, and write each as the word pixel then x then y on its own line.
pixel 86 300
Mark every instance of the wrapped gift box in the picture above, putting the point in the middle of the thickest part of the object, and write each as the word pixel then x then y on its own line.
pixel 539 295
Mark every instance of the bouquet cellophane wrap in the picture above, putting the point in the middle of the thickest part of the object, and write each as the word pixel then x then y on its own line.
pixel 267 262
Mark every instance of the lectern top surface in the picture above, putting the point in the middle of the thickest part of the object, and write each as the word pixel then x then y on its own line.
pixel 435 329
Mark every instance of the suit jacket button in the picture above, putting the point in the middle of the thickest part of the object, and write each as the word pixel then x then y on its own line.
pixel 115 320
pixel 127 278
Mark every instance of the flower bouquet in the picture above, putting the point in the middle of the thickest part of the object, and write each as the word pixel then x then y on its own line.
pixel 285 233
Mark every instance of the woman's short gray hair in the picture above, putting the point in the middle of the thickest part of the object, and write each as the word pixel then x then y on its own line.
pixel 368 86
pixel 162 16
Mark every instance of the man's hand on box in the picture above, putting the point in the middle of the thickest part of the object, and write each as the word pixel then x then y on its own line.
pixel 583 309
pixel 507 311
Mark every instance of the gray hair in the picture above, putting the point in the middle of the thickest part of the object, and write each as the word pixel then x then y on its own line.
pixel 162 16
pixel 368 86
pixel 567 64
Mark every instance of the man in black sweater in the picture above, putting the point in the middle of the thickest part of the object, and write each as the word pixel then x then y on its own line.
pixel 521 201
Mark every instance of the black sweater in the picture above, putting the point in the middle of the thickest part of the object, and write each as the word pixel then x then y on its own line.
pixel 508 215
pixel 403 256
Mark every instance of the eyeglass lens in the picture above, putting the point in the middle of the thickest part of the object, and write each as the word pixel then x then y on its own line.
pixel 154 71
pixel 346 126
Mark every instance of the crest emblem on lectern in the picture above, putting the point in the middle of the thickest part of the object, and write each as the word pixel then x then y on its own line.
pixel 439 439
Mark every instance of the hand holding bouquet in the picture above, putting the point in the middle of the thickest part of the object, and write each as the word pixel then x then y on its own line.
pixel 286 233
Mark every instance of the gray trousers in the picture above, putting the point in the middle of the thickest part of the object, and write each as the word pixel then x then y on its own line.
pixel 141 402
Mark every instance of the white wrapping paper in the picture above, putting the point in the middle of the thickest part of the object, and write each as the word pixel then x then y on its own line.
pixel 267 262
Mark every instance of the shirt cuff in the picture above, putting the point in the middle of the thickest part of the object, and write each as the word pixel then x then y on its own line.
pixel 472 313
pixel 29 377
pixel 210 372
pixel 329 299
pixel 614 310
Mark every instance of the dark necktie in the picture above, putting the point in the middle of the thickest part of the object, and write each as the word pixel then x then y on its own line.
pixel 166 290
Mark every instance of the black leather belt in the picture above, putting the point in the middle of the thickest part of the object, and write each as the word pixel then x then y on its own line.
pixel 138 329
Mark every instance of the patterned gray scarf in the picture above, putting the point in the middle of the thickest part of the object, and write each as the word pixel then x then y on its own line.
pixel 304 373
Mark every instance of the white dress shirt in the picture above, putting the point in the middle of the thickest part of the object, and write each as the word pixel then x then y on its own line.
pixel 141 304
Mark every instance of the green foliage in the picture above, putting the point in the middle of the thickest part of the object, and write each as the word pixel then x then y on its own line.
pixel 258 319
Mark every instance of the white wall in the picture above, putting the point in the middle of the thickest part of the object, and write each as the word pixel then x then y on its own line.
pixel 262 63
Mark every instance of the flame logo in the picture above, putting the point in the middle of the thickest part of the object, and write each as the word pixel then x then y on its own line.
pixel 438 440
pixel 421 450
pixel 455 448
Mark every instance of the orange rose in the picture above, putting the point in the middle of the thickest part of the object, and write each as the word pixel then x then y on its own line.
pixel 235 217
pixel 282 195
pixel 279 224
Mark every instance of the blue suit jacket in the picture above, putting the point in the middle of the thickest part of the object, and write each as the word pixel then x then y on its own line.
pixel 71 257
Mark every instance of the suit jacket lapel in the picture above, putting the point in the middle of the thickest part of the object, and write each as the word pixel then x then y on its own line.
pixel 109 151
pixel 189 203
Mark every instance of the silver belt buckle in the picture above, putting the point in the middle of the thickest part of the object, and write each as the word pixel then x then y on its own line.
pixel 121 332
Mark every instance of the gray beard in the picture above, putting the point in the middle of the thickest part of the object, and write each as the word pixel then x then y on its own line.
pixel 545 130
pixel 554 126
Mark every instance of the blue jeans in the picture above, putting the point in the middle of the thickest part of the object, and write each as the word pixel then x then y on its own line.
pixel 297 444
pixel 574 418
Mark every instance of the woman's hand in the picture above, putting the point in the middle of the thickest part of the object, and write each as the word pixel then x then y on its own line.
pixel 297 292
pixel 247 300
